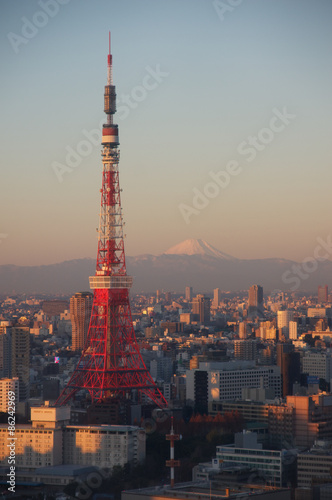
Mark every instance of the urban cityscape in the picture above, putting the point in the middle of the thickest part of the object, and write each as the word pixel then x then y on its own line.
pixel 217 382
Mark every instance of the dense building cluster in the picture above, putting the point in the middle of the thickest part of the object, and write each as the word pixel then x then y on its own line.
pixel 266 358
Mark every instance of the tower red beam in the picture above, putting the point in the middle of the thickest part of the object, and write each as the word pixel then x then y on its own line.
pixel 111 365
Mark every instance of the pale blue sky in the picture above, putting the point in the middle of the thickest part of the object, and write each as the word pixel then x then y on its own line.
pixel 225 78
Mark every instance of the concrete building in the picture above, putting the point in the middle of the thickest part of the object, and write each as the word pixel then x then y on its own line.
pixel 315 465
pixel 8 385
pixel 189 293
pixel 5 350
pixel 224 381
pixel 293 330
pixel 243 330
pixel 245 350
pixel 51 441
pixel 246 451
pixel 283 319
pixel 161 368
pixel 216 298
pixel 39 444
pixel 317 364
pixel 267 331
pixel 255 301
pixel 323 294
pixel 105 445
pixel 201 309
pixel 316 312
pixel 80 312
pixel 298 423
pixel 290 366
pixel 20 359
pixel 313 418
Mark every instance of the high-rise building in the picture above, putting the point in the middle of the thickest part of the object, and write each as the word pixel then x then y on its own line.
pixel 5 351
pixel 168 297
pixel 216 298
pixel 289 362
pixel 201 309
pixel 245 349
pixel 283 318
pixel 255 303
pixel 21 359
pixel 243 330
pixel 323 294
pixel 293 330
pixel 80 313
pixel 189 293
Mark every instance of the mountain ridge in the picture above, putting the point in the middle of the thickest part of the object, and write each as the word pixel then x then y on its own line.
pixel 205 268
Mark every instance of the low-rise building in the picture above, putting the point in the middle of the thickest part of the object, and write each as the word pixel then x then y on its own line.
pixel 51 441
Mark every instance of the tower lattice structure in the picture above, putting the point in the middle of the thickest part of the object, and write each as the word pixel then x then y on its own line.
pixel 111 365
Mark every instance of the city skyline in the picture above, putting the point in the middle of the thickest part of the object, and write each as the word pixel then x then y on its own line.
pixel 229 109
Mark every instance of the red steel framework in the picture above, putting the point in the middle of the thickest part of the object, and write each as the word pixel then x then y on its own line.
pixel 111 365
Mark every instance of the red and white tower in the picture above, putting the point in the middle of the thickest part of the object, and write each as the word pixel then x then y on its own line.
pixel 111 365
pixel 172 463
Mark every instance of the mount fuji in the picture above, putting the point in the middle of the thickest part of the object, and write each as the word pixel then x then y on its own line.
pixel 197 247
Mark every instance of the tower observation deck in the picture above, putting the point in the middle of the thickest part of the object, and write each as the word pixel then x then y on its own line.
pixel 111 366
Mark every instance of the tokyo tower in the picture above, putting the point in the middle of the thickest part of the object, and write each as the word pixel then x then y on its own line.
pixel 111 365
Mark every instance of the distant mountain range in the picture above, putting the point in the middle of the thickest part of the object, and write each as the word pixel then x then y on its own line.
pixel 191 263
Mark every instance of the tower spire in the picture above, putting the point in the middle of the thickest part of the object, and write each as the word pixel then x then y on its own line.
pixel 109 62
pixel 111 365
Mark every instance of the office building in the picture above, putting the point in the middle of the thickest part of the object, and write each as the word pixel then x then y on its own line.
pixel 323 294
pixel 316 312
pixel 247 452
pixel 51 441
pixel 80 312
pixel 20 359
pixel 255 301
pixel 39 444
pixel 9 390
pixel 189 293
pixel 225 380
pixel 103 445
pixel 243 330
pixel 5 350
pixel 245 349
pixel 313 418
pixel 290 366
pixel 161 368
pixel 283 318
pixel 292 330
pixel 216 298
pixel 201 309
pixel 317 364
pixel 315 466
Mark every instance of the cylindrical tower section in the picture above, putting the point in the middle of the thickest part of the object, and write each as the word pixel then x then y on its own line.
pixel 110 100
pixel 110 135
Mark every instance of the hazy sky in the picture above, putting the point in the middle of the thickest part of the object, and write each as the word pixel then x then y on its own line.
pixel 204 79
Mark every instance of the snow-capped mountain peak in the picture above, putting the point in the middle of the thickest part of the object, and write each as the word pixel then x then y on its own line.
pixel 197 247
